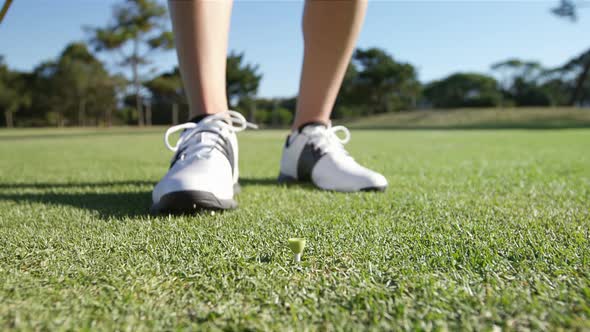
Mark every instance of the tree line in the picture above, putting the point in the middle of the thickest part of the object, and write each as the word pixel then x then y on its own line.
pixel 76 89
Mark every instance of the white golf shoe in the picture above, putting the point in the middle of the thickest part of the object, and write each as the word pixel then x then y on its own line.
pixel 315 153
pixel 204 169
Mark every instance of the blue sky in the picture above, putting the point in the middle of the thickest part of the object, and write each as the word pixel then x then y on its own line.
pixel 438 37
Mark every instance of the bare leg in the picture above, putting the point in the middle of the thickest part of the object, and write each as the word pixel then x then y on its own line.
pixel 330 30
pixel 201 30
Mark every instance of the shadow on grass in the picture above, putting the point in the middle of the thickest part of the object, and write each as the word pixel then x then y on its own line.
pixel 134 201
pixel 245 182
pixel 51 185
pixel 111 204
pixel 273 182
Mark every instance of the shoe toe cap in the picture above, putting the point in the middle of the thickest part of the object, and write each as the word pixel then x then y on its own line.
pixel 346 176
pixel 374 182
pixel 204 176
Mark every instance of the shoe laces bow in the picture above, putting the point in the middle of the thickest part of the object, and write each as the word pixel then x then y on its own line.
pixel 231 121
pixel 327 140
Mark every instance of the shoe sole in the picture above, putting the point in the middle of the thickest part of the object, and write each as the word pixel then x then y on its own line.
pixel 286 179
pixel 377 189
pixel 191 202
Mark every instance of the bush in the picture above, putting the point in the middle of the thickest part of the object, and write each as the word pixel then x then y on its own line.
pixel 284 117
pixel 464 90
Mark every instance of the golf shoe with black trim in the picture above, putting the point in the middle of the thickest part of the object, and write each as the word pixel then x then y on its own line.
pixel 203 174
pixel 314 153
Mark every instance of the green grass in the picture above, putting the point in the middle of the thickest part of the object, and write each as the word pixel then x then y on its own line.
pixel 487 118
pixel 479 229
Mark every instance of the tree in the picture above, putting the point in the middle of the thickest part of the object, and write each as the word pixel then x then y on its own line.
pixel 523 83
pixel 166 89
pixel 242 81
pixel 375 82
pixel 13 94
pixel 580 65
pixel 513 69
pixel 74 85
pixel 137 30
pixel 85 79
pixel 557 90
pixel 579 69
pixel 47 99
pixel 464 90
pixel 103 98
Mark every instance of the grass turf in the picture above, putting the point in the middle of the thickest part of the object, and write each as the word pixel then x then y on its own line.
pixel 479 229
pixel 478 118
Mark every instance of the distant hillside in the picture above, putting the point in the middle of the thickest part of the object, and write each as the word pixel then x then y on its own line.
pixel 495 118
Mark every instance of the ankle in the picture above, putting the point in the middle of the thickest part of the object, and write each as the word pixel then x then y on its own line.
pixel 198 116
pixel 311 123
pixel 298 125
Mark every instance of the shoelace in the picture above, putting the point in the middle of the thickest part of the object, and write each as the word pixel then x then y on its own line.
pixel 231 121
pixel 327 140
